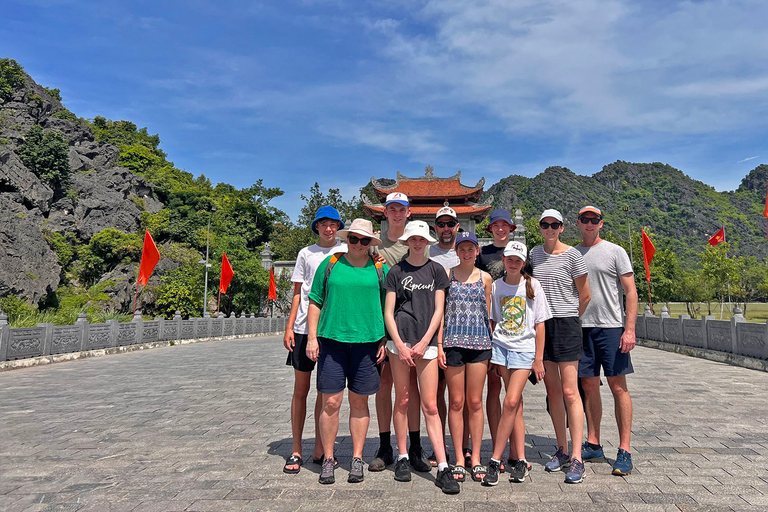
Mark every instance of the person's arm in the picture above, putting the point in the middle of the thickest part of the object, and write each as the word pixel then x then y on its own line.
pixel 582 286
pixel 434 324
pixel 488 285
pixel 313 318
pixel 403 352
pixel 628 338
pixel 538 360
pixel 288 338
pixel 440 351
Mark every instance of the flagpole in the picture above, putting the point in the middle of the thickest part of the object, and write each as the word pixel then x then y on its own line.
pixel 136 297
pixel 218 304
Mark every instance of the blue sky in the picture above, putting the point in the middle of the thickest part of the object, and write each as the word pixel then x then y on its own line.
pixel 338 91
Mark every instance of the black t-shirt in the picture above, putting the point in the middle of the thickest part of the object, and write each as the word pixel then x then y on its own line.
pixel 489 260
pixel 414 289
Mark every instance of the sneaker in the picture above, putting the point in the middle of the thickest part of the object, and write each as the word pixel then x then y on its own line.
pixel 511 463
pixel 446 482
pixel 326 475
pixel 558 462
pixel 518 472
pixel 623 464
pixel 492 475
pixel 418 461
pixel 384 457
pixel 589 454
pixel 403 470
pixel 356 471
pixel 576 472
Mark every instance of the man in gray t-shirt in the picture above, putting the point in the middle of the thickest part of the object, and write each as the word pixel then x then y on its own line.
pixel 607 341
pixel 446 228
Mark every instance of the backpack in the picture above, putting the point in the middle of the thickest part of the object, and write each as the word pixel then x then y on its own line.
pixel 379 271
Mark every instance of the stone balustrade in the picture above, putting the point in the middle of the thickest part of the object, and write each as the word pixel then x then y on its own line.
pixel 49 339
pixel 735 336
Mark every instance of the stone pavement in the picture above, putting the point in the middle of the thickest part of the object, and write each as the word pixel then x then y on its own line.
pixel 206 427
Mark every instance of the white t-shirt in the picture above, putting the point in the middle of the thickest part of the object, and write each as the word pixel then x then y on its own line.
pixel 446 257
pixel 516 315
pixel 307 261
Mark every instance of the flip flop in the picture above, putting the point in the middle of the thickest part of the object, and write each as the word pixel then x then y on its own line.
pixel 477 471
pixel 293 460
pixel 460 472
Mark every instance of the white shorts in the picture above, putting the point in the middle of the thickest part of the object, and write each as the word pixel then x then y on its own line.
pixel 431 352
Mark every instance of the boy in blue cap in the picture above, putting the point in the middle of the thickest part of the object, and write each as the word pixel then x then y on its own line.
pixel 326 223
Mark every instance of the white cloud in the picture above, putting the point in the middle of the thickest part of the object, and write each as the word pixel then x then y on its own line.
pixel 747 159
pixel 379 136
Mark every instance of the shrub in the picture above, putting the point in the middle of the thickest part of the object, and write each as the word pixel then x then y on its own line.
pixel 65 114
pixel 46 155
pixel 11 78
pixel 54 93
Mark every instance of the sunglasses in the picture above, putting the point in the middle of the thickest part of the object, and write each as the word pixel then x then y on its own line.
pixel 356 239
pixel 450 224
pixel 553 225
pixel 587 220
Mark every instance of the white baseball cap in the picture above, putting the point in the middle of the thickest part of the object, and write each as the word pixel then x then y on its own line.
pixel 515 248
pixel 417 228
pixel 551 212
pixel 446 210
pixel 397 197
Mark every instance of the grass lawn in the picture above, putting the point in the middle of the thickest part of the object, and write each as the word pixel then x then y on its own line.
pixel 756 311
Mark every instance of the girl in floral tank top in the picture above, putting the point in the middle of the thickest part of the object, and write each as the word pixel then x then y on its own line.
pixel 464 349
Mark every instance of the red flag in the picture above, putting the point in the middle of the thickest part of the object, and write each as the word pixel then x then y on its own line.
pixel 272 288
pixel 648 251
pixel 717 237
pixel 149 258
pixel 226 274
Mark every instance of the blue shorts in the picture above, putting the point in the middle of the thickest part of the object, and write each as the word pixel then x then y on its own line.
pixel 347 365
pixel 511 359
pixel 602 348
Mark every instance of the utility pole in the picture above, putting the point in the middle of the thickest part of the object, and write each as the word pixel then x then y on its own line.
pixel 207 265
pixel 625 209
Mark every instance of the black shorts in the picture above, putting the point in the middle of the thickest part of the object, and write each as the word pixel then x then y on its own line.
pixel 298 358
pixel 457 356
pixel 562 339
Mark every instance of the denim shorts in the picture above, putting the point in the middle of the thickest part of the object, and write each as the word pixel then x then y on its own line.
pixel 602 348
pixel 512 359
pixel 347 365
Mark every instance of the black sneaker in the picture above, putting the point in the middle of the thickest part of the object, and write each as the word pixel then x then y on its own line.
pixel 518 472
pixel 326 476
pixel 418 462
pixel 356 471
pixel 492 476
pixel 403 470
pixel 446 482
pixel 384 457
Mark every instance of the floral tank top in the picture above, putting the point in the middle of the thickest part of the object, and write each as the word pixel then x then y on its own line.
pixel 466 316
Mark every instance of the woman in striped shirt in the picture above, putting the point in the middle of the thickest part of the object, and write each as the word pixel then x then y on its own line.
pixel 563 275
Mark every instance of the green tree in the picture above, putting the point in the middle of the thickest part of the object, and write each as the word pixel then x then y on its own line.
pixel 181 290
pixel 11 78
pixel 105 250
pixel 47 156
pixel 752 280
pixel 720 271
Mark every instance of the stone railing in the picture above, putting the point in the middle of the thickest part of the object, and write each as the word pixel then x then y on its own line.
pixel 49 339
pixel 735 336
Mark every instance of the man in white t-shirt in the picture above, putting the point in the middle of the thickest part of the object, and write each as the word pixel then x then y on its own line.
pixel 607 340
pixel 326 223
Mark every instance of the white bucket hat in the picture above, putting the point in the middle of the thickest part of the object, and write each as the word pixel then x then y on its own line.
pixel 363 228
pixel 417 228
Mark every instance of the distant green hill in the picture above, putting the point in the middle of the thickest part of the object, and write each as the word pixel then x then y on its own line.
pixel 681 211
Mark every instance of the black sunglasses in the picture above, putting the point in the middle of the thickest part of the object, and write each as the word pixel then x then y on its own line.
pixel 356 239
pixel 587 220
pixel 450 224
pixel 553 225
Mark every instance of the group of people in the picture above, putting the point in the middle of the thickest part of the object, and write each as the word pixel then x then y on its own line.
pixel 422 313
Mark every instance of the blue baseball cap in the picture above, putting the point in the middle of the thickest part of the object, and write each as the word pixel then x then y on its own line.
pixel 466 236
pixel 500 214
pixel 327 212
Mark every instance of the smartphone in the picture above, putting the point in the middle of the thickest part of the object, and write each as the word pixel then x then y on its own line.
pixel 532 378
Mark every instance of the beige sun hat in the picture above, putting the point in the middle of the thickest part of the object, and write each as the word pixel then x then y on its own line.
pixel 417 228
pixel 363 228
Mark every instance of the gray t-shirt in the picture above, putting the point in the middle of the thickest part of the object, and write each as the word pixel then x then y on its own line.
pixel 606 262
pixel 446 257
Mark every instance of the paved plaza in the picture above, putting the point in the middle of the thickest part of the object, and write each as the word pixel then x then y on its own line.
pixel 206 427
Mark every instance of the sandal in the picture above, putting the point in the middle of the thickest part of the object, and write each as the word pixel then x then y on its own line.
pixel 478 473
pixel 293 460
pixel 459 473
pixel 433 460
pixel 467 458
pixel 319 461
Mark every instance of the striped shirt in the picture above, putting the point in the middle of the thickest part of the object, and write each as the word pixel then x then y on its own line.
pixel 557 273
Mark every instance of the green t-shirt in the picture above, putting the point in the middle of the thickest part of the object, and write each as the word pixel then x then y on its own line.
pixel 351 310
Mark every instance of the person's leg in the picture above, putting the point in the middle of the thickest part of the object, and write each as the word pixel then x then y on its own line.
pixel 359 418
pixel 441 405
pixel 384 399
pixel 454 377
pixel 556 406
pixel 475 379
pixel 329 421
pixel 492 406
pixel 426 370
pixel 317 453
pixel 301 382
pixel 401 382
pixel 515 380
pixel 569 375
pixel 414 412
pixel 593 407
pixel 623 408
